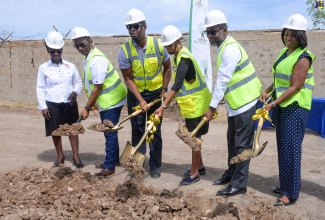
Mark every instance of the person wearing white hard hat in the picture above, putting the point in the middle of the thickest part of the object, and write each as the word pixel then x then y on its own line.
pixel 57 88
pixel 191 92
pixel 291 92
pixel 104 88
pixel 145 65
pixel 237 82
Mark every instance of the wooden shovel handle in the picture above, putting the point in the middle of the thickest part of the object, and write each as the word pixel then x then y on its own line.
pixel 135 149
pixel 150 104
pixel 197 128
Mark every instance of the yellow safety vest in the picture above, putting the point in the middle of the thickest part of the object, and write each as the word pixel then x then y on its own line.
pixel 244 86
pixel 113 89
pixel 193 99
pixel 150 75
pixel 282 75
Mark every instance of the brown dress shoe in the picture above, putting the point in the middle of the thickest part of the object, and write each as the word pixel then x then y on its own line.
pixel 105 172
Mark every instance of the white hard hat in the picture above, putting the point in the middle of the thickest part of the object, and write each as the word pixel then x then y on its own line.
pixel 214 17
pixel 54 40
pixel 134 16
pixel 78 32
pixel 296 22
pixel 169 35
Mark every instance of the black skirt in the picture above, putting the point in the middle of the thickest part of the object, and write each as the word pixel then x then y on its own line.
pixel 191 124
pixel 60 113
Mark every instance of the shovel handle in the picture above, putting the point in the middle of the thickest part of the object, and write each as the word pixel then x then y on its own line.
pixel 135 149
pixel 80 119
pixel 197 128
pixel 136 112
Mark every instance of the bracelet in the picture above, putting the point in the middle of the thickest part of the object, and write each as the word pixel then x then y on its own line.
pixel 87 108
pixel 165 88
pixel 273 104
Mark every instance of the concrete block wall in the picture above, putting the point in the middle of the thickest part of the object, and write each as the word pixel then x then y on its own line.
pixel 19 60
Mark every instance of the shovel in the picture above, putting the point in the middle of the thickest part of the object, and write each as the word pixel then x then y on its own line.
pixel 131 152
pixel 118 125
pixel 70 130
pixel 189 137
pixel 257 148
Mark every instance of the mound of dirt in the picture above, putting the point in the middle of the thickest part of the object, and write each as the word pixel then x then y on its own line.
pixel 67 130
pixel 62 193
pixel 107 125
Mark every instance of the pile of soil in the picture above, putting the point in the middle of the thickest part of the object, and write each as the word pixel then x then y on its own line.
pixel 69 130
pixel 62 193
pixel 106 126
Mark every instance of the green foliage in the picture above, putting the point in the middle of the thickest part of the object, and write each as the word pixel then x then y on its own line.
pixel 317 14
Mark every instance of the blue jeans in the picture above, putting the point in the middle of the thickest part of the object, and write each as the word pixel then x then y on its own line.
pixel 138 124
pixel 112 145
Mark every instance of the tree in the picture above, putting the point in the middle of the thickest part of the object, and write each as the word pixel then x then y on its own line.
pixel 317 14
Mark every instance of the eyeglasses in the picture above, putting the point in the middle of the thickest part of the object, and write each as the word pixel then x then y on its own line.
pixel 134 26
pixel 212 32
pixel 55 51
pixel 82 44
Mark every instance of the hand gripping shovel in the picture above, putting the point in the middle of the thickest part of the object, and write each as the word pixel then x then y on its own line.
pixel 131 152
pixel 257 148
pixel 118 125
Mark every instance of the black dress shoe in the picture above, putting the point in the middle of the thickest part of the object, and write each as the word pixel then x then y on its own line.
pixel 231 191
pixel 223 180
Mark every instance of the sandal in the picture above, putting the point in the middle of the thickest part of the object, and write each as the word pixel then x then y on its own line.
pixel 279 202
pixel 276 190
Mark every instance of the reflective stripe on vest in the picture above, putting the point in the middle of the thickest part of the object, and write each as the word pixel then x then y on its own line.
pixel 149 75
pixel 282 76
pixel 113 89
pixel 193 99
pixel 244 86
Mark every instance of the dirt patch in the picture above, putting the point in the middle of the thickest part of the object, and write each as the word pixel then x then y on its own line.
pixel 106 126
pixel 69 130
pixel 37 193
pixel 186 137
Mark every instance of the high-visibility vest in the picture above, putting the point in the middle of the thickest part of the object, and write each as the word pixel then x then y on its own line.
pixel 244 86
pixel 193 99
pixel 113 88
pixel 150 75
pixel 283 73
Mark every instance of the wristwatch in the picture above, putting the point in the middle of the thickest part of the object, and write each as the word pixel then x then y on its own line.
pixel 212 109
pixel 87 108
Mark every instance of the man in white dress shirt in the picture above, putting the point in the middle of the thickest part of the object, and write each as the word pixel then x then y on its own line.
pixel 238 84
pixel 58 84
pixel 104 88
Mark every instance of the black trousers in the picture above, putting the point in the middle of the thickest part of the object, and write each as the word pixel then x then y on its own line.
pixel 138 125
pixel 240 136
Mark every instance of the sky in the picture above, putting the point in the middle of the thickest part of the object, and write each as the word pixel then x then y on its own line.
pixel 33 19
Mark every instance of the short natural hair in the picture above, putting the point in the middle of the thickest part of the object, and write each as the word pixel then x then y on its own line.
pixel 299 35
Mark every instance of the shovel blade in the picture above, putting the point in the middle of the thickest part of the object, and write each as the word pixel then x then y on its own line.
pixel 114 129
pixel 139 158
pixel 248 154
pixel 126 152
pixel 260 150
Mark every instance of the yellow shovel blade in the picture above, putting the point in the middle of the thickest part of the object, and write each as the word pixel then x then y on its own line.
pixel 126 152
pixel 137 157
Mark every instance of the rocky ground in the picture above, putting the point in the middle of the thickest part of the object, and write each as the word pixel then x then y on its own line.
pixel 31 189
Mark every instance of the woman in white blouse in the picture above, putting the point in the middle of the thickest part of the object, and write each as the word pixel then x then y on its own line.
pixel 58 84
